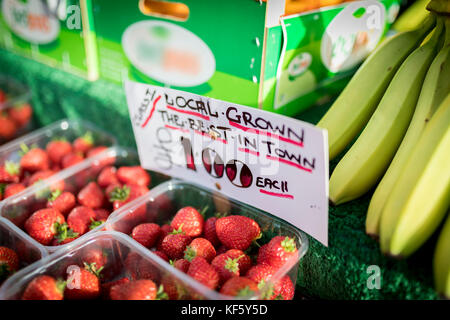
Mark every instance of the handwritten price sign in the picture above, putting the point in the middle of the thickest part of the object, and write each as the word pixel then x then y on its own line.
pixel 269 161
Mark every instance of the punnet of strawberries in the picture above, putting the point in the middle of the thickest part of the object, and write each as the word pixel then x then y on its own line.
pixel 13 118
pixel 37 164
pixel 63 210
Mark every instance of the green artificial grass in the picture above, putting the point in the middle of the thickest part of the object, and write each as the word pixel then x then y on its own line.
pixel 336 272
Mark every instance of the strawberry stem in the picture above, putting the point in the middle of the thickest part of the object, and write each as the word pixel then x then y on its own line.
pixel 161 294
pixel 12 168
pixel 55 194
pixel 119 194
pixel 204 210
pixel 63 232
pixel 94 224
pixel 288 244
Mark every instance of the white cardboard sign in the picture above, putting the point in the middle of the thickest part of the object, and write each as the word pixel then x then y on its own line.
pixel 270 161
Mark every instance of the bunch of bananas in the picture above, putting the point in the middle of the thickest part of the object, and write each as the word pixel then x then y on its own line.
pixel 397 107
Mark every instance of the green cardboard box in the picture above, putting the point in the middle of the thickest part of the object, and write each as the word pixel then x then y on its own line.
pixel 54 32
pixel 243 51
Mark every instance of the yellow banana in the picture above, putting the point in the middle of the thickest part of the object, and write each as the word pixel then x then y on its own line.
pixel 354 106
pixel 421 196
pixel 441 261
pixel 434 89
pixel 366 161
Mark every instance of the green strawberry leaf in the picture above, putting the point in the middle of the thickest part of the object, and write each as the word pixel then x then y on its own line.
pixel 55 194
pixel 161 294
pixel 12 168
pixel 119 194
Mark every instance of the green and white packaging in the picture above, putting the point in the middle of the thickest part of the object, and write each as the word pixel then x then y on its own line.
pixel 55 32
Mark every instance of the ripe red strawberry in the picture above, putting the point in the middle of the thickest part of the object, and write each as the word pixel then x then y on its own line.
pixel 34 159
pixel 91 196
pixel 94 256
pixel 101 215
pixel 110 191
pixel 44 288
pixel 43 225
pixel 80 218
pixel 133 175
pixel 174 245
pixel 21 114
pixel 164 231
pixel 9 262
pixel 96 151
pixel 203 272
pixel 71 159
pixel 134 290
pixel 57 149
pixel 59 242
pixel 84 143
pixel 8 127
pixel 181 264
pixel 44 174
pixel 232 263
pixel 121 196
pixel 61 201
pixel 161 254
pixel 106 287
pixel 10 172
pixel 12 189
pixel 147 270
pixel 239 287
pixel 131 265
pixel 278 251
pixel 82 284
pixel 173 288
pixel 209 231
pixel 188 220
pixel 261 274
pixel 237 232
pixel 286 289
pixel 200 247
pixel 107 177
pixel 146 234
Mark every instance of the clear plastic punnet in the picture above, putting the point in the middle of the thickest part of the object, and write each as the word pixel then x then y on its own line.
pixel 162 203
pixel 27 250
pixel 21 206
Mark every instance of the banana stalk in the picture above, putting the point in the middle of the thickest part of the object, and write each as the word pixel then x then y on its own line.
pixel 352 109
pixel 421 196
pixel 435 88
pixel 367 160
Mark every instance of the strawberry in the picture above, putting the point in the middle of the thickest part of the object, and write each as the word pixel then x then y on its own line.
pixel 64 202
pixel 9 262
pixel 261 274
pixel 71 159
pixel 3 96
pixel 147 270
pixel 131 264
pixel 121 196
pixel 134 290
pixel 107 177
pixel 91 196
pixel 94 256
pixel 285 288
pixel 279 251
pixel 146 234
pixel 96 151
pixel 43 225
pixel 101 215
pixel 164 231
pixel 209 231
pixel 133 175
pixel 106 287
pixel 237 232
pixel 44 288
pixel 84 143
pixel 10 172
pixel 83 284
pixel 59 242
pixel 200 247
pixel 174 245
pixel 21 114
pixel 12 189
pixel 161 254
pixel 181 264
pixel 34 159
pixel 239 287
pixel 8 127
pixel 112 190
pixel 57 149
pixel 64 235
pixel 232 263
pixel 42 175
pixel 173 288
pixel 80 218
pixel 188 220
pixel 203 272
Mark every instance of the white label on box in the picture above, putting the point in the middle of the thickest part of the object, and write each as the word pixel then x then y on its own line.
pixel 272 162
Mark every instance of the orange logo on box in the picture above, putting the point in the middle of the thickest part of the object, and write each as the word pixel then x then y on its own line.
pixel 182 61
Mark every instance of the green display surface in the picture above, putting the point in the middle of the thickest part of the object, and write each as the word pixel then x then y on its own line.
pixel 337 272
